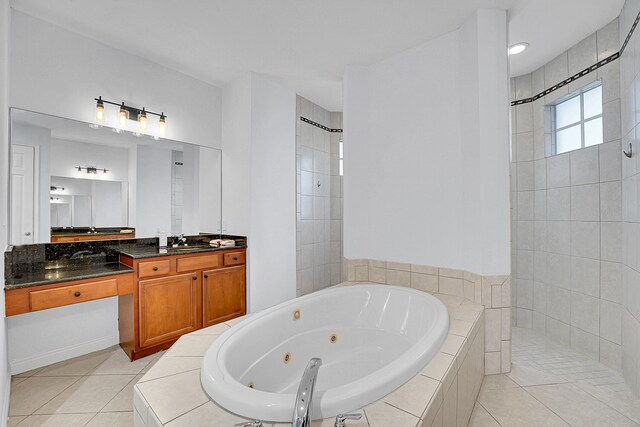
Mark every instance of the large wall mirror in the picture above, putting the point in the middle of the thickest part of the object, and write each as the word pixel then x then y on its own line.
pixel 71 182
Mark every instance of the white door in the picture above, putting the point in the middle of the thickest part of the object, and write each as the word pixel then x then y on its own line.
pixel 22 194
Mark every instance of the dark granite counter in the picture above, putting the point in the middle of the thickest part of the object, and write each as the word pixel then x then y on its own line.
pixel 47 274
pixel 86 231
pixel 48 263
pixel 140 251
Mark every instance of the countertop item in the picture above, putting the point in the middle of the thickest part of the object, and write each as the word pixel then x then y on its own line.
pixel 47 274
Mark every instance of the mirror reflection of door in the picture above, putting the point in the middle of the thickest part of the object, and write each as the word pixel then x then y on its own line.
pixel 22 194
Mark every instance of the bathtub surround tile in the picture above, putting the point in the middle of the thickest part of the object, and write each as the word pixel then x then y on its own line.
pixel 173 396
pixel 166 397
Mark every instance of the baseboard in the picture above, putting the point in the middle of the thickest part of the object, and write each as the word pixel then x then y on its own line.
pixel 5 402
pixel 58 355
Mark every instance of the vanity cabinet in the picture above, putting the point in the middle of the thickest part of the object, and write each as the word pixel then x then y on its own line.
pixel 223 295
pixel 168 307
pixel 176 294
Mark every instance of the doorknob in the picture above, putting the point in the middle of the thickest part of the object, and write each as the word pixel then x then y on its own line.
pixel 28 233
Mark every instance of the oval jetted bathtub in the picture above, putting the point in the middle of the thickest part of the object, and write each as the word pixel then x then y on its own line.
pixel 371 339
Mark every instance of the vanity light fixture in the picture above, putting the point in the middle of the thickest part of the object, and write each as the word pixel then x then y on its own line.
pixel 91 170
pixel 127 113
pixel 99 111
pixel 518 48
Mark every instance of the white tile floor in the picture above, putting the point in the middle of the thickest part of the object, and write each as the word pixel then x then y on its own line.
pixel 93 390
pixel 552 385
pixel 549 385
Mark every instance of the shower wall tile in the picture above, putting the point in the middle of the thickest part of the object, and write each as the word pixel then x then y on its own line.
pixel 319 202
pixel 584 260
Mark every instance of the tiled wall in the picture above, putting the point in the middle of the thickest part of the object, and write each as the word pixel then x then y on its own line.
pixel 493 292
pixel 630 292
pixel 567 209
pixel 319 199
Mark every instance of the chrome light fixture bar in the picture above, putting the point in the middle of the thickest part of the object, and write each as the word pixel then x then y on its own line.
pixel 128 112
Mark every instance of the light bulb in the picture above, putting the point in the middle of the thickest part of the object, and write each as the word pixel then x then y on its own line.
pixel 142 120
pixel 162 125
pixel 124 115
pixel 100 111
pixel 79 169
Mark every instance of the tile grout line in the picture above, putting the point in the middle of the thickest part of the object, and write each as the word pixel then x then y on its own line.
pixel 488 412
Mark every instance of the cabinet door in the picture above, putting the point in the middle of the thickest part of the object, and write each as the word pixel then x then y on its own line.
pixel 223 294
pixel 168 307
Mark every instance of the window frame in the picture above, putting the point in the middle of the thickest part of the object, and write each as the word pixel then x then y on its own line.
pixel 581 122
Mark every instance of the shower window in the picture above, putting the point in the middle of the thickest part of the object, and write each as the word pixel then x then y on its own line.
pixel 577 121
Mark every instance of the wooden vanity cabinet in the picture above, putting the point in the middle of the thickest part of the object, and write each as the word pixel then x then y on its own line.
pixel 223 295
pixel 177 294
pixel 168 307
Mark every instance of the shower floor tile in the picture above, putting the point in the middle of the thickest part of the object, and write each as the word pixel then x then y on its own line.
pixel 551 384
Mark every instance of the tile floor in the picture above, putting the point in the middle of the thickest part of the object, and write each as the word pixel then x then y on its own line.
pixel 549 385
pixel 552 385
pixel 94 390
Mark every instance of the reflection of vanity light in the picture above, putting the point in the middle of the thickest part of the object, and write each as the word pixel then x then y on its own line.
pixel 91 170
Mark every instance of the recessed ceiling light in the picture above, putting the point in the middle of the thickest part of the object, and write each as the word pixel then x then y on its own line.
pixel 518 48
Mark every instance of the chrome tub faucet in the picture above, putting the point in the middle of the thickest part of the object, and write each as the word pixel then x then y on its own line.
pixel 302 408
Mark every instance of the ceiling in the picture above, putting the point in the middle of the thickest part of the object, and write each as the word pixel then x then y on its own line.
pixel 306 44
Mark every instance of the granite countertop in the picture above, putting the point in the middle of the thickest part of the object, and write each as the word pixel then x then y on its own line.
pixel 87 232
pixel 48 276
pixel 148 251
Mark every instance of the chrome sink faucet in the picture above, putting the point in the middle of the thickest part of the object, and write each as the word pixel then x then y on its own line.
pixel 182 241
pixel 302 408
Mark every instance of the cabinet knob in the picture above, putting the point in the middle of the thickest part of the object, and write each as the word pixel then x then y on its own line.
pixel 155 268
pixel 206 276
pixel 195 278
pixel 77 294
pixel 235 258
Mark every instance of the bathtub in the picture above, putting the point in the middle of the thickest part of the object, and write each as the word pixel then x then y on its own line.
pixel 371 339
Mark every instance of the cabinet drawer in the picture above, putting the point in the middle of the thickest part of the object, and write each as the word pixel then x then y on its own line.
pixel 41 300
pixel 198 263
pixel 154 268
pixel 234 258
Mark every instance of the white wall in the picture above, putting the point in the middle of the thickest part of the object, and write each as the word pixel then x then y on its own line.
pixel 414 123
pixel 5 20
pixel 259 183
pixel 66 156
pixel 58 72
pixel 272 271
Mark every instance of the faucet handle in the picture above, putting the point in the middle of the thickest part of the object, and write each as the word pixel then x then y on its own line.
pixel 256 423
pixel 342 418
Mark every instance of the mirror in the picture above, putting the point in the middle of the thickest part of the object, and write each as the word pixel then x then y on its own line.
pixel 71 181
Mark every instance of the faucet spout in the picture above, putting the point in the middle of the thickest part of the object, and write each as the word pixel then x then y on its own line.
pixel 302 408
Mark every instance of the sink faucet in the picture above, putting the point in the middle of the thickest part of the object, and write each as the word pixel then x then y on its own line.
pixel 182 241
pixel 302 408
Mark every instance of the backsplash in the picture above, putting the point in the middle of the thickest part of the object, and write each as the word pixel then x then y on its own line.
pixel 27 258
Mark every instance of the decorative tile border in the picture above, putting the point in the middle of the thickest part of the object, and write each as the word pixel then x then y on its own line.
pixel 493 292
pixel 584 72
pixel 318 125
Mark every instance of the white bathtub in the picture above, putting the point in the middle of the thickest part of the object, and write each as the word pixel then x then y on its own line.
pixel 371 339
